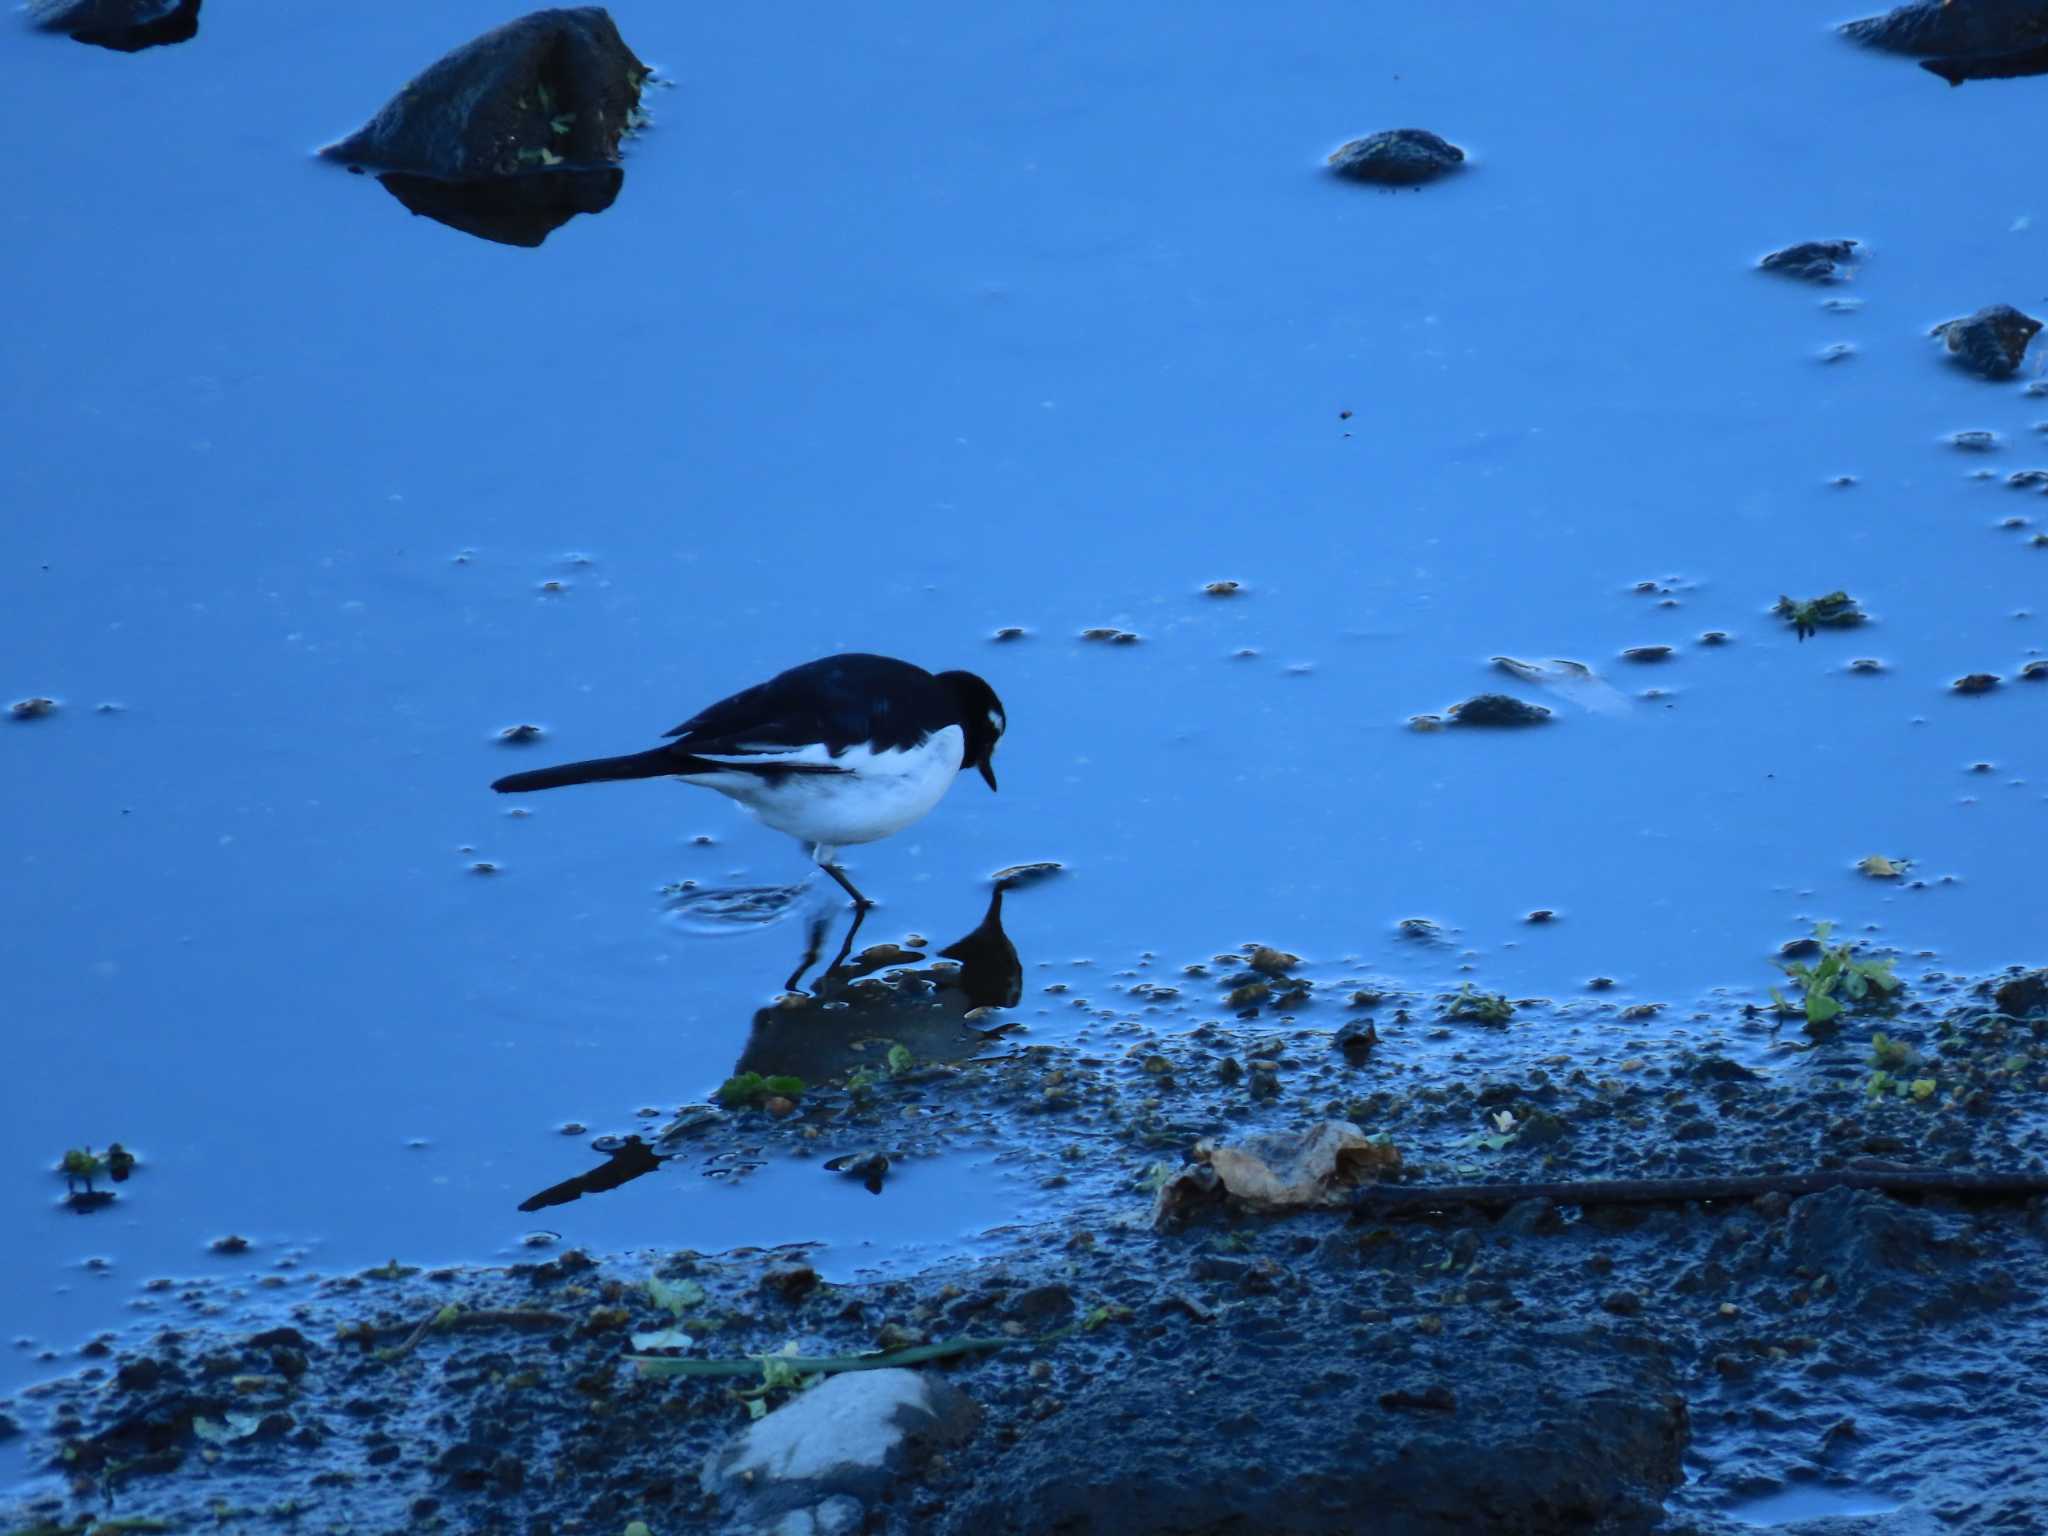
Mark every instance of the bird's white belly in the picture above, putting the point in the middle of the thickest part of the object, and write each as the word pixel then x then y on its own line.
pixel 880 794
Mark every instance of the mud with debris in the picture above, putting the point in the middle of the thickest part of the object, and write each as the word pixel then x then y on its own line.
pixel 1143 1365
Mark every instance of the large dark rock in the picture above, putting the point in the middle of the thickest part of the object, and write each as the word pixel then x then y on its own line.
pixel 127 26
pixel 1992 342
pixel 512 134
pixel 1963 39
pixel 1590 1438
pixel 2024 995
pixel 1400 157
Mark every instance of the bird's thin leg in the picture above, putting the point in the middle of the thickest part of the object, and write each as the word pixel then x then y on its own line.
pixel 825 857
pixel 860 915
pixel 812 950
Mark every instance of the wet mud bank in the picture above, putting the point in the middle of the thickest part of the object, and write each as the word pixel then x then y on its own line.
pixel 1846 1360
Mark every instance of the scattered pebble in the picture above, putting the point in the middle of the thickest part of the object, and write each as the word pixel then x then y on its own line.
pixel 1647 653
pixel 483 867
pixel 1836 351
pixel 1816 261
pixel 2035 671
pixel 32 709
pixel 1222 588
pixel 1976 441
pixel 1399 157
pixel 230 1244
pixel 1976 682
pixel 1491 709
pixel 520 735
pixel 1010 632
pixel 1715 637
pixel 1991 342
pixel 1865 664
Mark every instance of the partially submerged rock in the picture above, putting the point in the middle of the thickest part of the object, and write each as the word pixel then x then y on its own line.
pixel 1831 610
pixel 1992 342
pixel 126 26
pixel 1963 39
pixel 1498 709
pixel 513 133
pixel 1817 261
pixel 1399 157
pixel 1280 1171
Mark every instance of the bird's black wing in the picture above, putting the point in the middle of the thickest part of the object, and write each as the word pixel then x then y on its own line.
pixel 804 718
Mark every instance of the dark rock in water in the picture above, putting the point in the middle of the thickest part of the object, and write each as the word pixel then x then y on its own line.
pixel 1976 682
pixel 2024 995
pixel 1400 157
pixel 1963 39
pixel 1992 341
pixel 127 26
pixel 1818 261
pixel 1498 709
pixel 1356 1040
pixel 1924 28
pixel 512 134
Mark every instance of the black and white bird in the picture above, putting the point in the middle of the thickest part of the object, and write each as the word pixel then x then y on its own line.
pixel 845 749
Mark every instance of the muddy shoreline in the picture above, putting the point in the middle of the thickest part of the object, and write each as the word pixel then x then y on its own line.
pixel 1688 1368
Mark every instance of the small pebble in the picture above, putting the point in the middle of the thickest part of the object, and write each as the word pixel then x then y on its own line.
pixel 32 709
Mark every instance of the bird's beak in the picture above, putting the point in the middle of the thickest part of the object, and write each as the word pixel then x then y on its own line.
pixel 988 772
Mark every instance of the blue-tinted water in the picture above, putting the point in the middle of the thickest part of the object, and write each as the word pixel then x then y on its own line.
pixel 909 324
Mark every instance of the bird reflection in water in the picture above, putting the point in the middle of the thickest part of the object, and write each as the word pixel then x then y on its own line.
pixel 855 1009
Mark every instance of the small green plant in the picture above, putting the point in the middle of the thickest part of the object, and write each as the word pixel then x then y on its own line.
pixel 899 1060
pixel 82 1165
pixel 1838 980
pixel 1468 1002
pixel 1883 1085
pixel 751 1089
pixel 1831 610
pixel 1889 1053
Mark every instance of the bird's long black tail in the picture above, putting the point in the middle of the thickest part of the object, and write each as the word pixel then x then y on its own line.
pixel 651 764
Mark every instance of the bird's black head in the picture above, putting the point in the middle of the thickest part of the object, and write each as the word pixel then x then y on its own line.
pixel 981 719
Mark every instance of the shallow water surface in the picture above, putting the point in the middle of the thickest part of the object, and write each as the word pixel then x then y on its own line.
pixel 916 325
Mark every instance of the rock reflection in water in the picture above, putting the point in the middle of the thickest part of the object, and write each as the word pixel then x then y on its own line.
pixel 513 210
pixel 126 26
pixel 856 1008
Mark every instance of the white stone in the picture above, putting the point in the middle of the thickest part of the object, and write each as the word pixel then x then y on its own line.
pixel 849 1421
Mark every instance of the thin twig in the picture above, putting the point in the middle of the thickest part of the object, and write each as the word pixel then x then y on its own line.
pixel 808 1365
pixel 1397 1199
